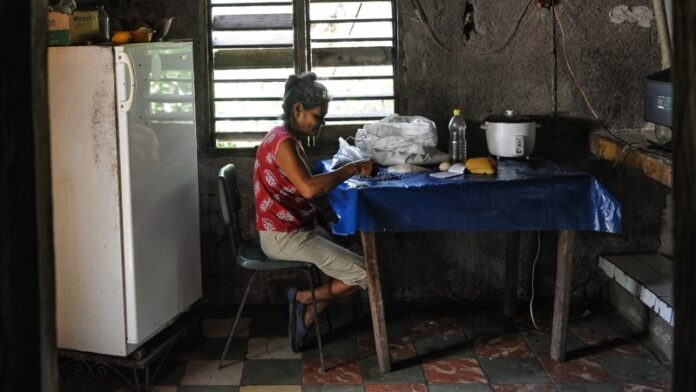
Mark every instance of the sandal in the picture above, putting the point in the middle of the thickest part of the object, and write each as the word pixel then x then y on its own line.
pixel 292 304
pixel 297 331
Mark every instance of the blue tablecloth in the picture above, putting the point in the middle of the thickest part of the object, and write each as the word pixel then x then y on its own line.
pixel 524 195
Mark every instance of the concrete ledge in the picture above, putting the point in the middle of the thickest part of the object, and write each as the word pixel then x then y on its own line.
pixel 653 163
pixel 647 277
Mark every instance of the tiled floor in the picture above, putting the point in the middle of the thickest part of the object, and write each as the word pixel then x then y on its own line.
pixel 437 349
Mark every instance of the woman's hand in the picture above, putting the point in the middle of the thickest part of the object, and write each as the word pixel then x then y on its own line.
pixel 311 186
pixel 364 167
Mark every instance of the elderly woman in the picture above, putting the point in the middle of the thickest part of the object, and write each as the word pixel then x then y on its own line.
pixel 285 215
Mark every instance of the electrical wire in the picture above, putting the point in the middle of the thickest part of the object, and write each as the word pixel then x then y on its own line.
pixel 531 299
pixel 577 82
pixel 422 17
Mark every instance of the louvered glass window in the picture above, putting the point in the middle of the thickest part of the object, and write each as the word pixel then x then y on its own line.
pixel 256 44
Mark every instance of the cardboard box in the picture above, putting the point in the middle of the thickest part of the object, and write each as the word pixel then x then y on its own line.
pixel 80 27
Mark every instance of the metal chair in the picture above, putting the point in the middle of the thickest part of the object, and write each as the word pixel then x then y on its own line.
pixel 249 254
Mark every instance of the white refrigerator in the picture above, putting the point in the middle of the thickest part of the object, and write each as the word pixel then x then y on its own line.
pixel 125 192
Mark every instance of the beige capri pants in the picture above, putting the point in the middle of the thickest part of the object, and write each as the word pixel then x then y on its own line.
pixel 316 247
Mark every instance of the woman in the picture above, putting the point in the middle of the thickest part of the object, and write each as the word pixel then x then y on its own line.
pixel 285 216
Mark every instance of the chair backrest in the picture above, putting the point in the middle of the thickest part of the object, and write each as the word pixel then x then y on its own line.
pixel 230 202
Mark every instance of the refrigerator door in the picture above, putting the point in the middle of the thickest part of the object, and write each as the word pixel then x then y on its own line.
pixel 157 133
pixel 86 200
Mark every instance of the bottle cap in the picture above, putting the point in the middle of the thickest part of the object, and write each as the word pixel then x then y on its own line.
pixel 456 112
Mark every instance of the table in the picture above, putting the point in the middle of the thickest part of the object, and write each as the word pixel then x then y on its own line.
pixel 524 195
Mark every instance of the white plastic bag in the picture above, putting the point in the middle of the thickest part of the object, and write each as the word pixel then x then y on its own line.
pixel 346 154
pixel 397 140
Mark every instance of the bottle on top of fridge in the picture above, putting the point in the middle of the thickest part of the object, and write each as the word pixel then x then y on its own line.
pixel 104 25
pixel 457 134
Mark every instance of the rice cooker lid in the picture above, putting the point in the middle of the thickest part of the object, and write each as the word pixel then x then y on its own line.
pixel 510 117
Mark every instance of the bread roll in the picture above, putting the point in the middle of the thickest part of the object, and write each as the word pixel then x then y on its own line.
pixel 482 165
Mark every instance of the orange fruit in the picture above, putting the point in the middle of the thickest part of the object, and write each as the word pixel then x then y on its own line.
pixel 121 37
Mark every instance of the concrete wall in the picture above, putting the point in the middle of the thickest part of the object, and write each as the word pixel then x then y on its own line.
pixel 528 75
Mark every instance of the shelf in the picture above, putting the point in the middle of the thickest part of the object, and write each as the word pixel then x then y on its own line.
pixel 634 150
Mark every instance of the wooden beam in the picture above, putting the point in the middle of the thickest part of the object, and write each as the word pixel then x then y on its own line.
pixel 512 260
pixel 374 289
pixel 561 305
pixel 684 378
pixel 28 359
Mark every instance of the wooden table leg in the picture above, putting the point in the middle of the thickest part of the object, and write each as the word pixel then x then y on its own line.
pixel 561 305
pixel 374 289
pixel 512 260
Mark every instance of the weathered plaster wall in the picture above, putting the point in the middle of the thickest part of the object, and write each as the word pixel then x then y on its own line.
pixel 528 75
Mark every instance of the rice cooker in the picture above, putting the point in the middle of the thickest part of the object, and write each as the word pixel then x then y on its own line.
pixel 510 135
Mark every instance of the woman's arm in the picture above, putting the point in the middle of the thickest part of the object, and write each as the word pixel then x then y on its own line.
pixel 311 186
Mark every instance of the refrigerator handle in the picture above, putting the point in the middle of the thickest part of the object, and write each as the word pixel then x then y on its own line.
pixel 124 58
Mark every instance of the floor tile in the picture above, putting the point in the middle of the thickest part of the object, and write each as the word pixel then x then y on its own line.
pixel 431 347
pixel 444 347
pixel 459 387
pixel 576 371
pixel 588 388
pixel 164 389
pixel 337 371
pixel 270 348
pixel 220 327
pixel 270 388
pixel 339 347
pixel 171 373
pixel 622 348
pixel 508 346
pixel 399 328
pixel 211 349
pixel 272 372
pixel 601 327
pixel 396 388
pixel 399 348
pixel 636 369
pixel 401 373
pixel 441 326
pixel 524 388
pixel 332 388
pixel 646 387
pixel 207 373
pixel 514 371
pixel 486 322
pixel 454 371
pixel 270 323
pixel 540 342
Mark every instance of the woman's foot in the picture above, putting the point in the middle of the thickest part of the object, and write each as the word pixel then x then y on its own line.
pixel 297 330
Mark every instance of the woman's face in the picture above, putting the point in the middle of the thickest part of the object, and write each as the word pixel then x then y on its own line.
pixel 309 121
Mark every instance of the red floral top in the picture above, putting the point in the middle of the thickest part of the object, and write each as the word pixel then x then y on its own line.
pixel 279 206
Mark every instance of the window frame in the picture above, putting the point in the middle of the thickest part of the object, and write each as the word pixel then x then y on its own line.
pixel 327 141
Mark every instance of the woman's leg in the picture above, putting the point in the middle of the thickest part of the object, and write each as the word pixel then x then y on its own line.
pixel 345 268
pixel 324 294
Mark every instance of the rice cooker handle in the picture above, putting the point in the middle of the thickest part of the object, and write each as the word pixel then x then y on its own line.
pixel 484 126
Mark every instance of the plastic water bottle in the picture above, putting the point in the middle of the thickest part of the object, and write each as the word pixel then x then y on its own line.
pixel 457 142
pixel 104 26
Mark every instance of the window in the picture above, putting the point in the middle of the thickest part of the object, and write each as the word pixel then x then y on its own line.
pixel 256 44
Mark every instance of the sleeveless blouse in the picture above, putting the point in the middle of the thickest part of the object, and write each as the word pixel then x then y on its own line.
pixel 279 206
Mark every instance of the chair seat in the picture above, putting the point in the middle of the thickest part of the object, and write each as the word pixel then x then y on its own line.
pixel 252 257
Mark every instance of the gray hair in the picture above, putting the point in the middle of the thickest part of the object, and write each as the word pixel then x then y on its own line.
pixel 305 90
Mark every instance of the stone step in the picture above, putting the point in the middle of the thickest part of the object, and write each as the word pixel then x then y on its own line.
pixel 648 277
